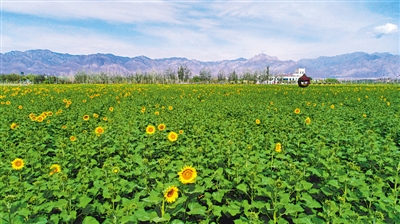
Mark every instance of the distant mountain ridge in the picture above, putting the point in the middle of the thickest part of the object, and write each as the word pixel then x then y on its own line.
pixel 355 65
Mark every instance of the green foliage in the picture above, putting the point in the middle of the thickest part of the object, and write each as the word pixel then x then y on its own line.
pixel 341 167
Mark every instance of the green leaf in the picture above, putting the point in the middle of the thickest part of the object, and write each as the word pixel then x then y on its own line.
pixel 165 218
pixel 90 220
pixel 232 209
pixel 196 209
pixel 242 187
pixel 310 201
pixel 334 183
pixel 84 201
pixel 154 198
pixel 218 195
pixel 291 208
pixel 143 215
pixel 327 191
pixel 306 185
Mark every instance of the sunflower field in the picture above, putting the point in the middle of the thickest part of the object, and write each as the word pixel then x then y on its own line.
pixel 199 154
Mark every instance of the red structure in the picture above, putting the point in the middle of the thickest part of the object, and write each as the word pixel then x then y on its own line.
pixel 304 81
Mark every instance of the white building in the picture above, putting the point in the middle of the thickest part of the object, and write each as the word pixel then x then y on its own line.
pixel 295 76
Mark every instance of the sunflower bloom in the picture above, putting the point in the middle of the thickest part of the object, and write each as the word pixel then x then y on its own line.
pixel 13 126
pixel 115 170
pixel 170 108
pixel 99 131
pixel 258 121
pixel 150 129
pixel 20 107
pixel 55 168
pixel 86 117
pixel 278 147
pixel 157 113
pixel 111 109
pixel 17 164
pixel 161 127
pixel 72 138
pixel 181 132
pixel 308 121
pixel 172 136
pixel 297 111
pixel 95 115
pixel 171 194
pixel 39 118
pixel 187 175
pixel 332 106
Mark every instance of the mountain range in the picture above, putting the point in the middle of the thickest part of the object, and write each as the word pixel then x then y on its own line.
pixel 357 65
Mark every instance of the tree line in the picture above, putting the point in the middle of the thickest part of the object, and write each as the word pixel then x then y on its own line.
pixel 169 76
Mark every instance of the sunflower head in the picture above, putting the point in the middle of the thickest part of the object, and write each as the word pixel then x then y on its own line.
pixel 150 129
pixel 258 121
pixel 332 106
pixel 111 109
pixel 170 108
pixel 72 138
pixel 13 126
pixel 39 118
pixel 99 131
pixel 187 175
pixel 55 168
pixel 297 111
pixel 86 117
pixel 115 170
pixel 95 115
pixel 278 147
pixel 181 132
pixel 172 136
pixel 308 121
pixel 161 127
pixel 17 164
pixel 171 194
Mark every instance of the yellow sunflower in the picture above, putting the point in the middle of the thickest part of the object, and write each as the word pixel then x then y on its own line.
pixel 297 111
pixel 55 168
pixel 187 175
pixel 86 117
pixel 111 109
pixel 150 129
pixel 20 107
pixel 161 127
pixel 258 121
pixel 99 131
pixel 95 115
pixel 13 126
pixel 171 194
pixel 115 170
pixel 332 106
pixel 181 132
pixel 172 136
pixel 39 118
pixel 72 138
pixel 170 108
pixel 278 147
pixel 308 121
pixel 17 164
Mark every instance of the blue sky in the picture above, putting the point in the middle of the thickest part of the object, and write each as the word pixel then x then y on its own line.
pixel 202 30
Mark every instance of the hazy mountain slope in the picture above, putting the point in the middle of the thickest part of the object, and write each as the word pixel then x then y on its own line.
pixel 352 65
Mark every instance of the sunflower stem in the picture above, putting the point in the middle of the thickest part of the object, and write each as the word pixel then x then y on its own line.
pixel 163 208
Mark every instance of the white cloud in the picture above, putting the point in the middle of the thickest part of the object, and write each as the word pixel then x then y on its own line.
pixel 388 28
